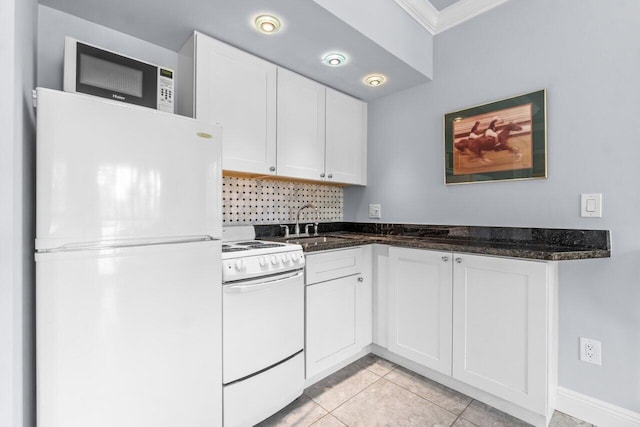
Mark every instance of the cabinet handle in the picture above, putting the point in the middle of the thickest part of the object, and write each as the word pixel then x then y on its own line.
pixel 445 258
pixel 272 168
pixel 360 279
pixel 458 260
pixel 322 175
pixel 330 175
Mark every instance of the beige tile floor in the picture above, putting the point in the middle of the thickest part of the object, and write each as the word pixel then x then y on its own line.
pixel 374 392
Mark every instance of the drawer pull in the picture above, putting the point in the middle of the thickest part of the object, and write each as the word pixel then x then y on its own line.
pixel 360 279
pixel 445 258
pixel 458 260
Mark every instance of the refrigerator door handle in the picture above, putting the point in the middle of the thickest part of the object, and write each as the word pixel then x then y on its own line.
pixel 116 244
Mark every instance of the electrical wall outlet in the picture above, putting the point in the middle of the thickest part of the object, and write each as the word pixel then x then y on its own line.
pixel 590 351
pixel 375 211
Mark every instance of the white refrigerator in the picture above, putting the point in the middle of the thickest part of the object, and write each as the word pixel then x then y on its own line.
pixel 128 293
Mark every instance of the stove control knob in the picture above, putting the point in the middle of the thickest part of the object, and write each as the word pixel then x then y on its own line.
pixel 274 260
pixel 295 257
pixel 285 258
pixel 238 264
pixel 262 261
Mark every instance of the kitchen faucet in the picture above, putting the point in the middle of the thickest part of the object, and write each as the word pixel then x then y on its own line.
pixel 297 227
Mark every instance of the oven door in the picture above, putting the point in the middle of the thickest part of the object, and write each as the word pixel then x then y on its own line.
pixel 263 323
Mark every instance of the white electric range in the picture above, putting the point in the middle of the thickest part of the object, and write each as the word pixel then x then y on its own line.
pixel 243 257
pixel 263 325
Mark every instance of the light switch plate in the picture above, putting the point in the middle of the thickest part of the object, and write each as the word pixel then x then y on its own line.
pixel 591 205
pixel 375 211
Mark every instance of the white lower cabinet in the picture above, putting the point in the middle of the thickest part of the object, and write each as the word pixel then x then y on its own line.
pixel 502 327
pixel 484 325
pixel 420 289
pixel 338 307
pixel 489 322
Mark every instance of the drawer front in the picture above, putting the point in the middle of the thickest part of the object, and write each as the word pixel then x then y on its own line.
pixel 333 264
pixel 251 400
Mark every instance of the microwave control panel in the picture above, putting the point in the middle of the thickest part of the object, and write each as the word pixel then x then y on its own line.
pixel 165 89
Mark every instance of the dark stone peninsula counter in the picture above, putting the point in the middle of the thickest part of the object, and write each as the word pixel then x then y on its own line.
pixel 547 244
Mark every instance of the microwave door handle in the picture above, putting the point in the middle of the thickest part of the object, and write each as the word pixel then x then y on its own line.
pixel 262 285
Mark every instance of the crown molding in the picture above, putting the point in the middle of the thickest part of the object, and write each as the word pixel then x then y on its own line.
pixel 436 22
pixel 422 11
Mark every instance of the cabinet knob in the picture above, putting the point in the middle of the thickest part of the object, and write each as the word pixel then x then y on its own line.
pixel 322 175
pixel 330 175
pixel 458 260
pixel 445 258
pixel 272 168
pixel 360 279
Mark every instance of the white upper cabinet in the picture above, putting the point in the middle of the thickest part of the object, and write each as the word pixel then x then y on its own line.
pixel 301 126
pixel 322 133
pixel 274 121
pixel 238 91
pixel 346 139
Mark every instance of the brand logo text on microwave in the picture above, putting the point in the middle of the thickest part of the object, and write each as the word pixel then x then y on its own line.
pixel 118 97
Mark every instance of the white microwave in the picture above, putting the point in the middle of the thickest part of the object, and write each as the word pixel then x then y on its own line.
pixel 95 71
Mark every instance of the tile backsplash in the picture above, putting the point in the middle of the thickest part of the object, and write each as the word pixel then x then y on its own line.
pixel 261 201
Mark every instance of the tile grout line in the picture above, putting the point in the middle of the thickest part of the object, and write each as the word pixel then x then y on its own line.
pixel 460 416
pixel 424 398
pixel 331 412
pixel 393 382
pixel 380 377
pixel 351 398
pixel 328 414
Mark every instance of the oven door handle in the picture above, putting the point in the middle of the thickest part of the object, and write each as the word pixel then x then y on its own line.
pixel 261 284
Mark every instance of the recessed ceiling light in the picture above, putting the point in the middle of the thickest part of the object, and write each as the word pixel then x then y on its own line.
pixel 374 79
pixel 267 24
pixel 334 59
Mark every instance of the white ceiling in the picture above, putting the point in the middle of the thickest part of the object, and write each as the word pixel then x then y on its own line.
pixel 309 31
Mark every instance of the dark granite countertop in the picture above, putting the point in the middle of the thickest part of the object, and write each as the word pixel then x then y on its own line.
pixel 529 243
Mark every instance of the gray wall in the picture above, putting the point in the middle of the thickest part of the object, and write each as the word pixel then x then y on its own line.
pixel 54 25
pixel 18 23
pixel 586 54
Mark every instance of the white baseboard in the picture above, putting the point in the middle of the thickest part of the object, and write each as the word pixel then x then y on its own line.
pixel 594 411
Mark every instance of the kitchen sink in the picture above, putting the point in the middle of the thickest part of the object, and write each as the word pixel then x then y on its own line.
pixel 314 240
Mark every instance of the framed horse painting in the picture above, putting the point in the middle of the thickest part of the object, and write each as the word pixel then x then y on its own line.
pixel 498 141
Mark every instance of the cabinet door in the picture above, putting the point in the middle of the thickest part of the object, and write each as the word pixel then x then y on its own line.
pixel 238 91
pixel 500 327
pixel 301 131
pixel 420 306
pixel 336 318
pixel 346 139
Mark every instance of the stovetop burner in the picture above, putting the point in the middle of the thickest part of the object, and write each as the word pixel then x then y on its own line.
pixel 227 248
pixel 240 242
pixel 266 245
pixel 251 246
pixel 259 244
